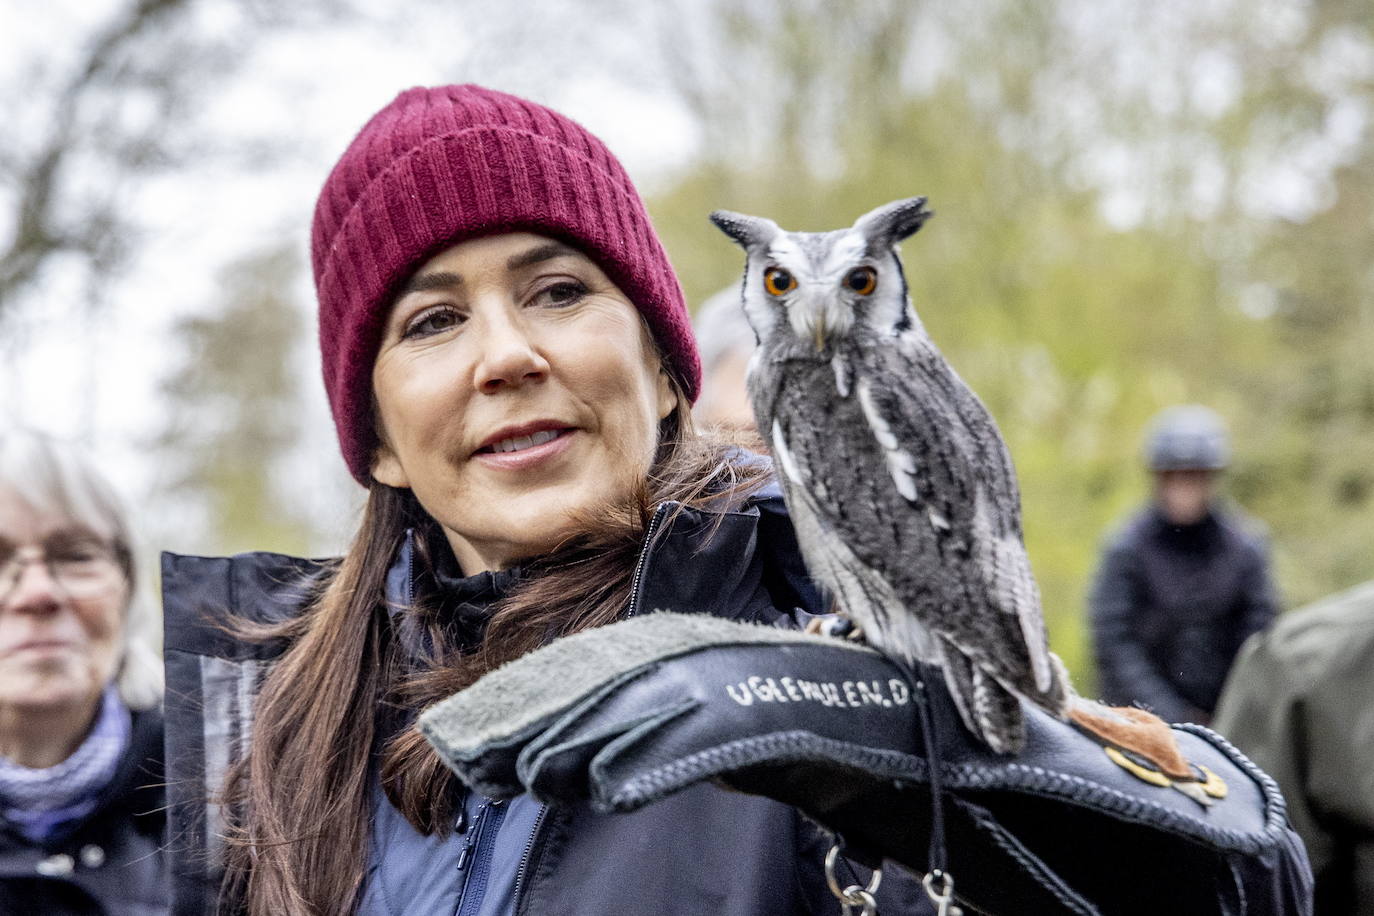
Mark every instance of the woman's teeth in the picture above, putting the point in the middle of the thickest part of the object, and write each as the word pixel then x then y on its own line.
pixel 517 443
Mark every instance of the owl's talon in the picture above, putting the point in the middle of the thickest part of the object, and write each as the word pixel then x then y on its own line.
pixel 834 625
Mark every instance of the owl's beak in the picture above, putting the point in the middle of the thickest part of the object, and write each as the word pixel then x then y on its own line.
pixel 820 334
pixel 815 322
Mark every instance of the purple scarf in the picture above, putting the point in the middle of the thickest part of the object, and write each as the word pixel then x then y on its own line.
pixel 41 803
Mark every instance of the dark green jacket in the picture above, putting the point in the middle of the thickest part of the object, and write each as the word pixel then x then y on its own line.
pixel 1300 703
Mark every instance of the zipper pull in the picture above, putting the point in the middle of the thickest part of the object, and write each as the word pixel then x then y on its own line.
pixel 474 833
pixel 465 853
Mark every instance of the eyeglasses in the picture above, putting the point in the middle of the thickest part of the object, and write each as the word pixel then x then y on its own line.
pixel 80 571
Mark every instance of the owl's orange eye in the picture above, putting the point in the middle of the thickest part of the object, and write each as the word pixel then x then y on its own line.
pixel 778 281
pixel 862 280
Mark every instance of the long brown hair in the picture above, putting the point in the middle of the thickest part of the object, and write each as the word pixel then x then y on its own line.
pixel 298 802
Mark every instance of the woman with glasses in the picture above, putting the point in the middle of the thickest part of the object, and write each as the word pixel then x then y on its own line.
pixel 80 684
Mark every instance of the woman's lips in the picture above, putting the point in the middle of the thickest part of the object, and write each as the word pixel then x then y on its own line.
pixel 42 647
pixel 527 458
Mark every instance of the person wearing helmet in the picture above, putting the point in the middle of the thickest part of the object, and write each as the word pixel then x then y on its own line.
pixel 1183 583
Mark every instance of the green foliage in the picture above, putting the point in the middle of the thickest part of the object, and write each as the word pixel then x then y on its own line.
pixel 1075 332
pixel 1309 463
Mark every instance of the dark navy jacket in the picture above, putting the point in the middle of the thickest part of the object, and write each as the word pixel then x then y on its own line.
pixel 1170 608
pixel 111 862
pixel 704 850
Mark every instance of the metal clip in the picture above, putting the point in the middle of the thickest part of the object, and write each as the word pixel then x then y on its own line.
pixel 852 896
pixel 944 897
pixel 860 898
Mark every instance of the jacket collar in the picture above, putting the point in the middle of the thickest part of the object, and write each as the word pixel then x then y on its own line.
pixel 683 566
pixel 692 560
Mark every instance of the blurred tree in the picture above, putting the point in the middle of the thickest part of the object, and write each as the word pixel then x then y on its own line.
pixel 110 111
pixel 233 412
pixel 1310 466
pixel 35 169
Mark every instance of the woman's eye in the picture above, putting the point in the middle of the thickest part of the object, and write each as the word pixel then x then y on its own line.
pixel 563 293
pixel 432 322
pixel 76 550
pixel 76 559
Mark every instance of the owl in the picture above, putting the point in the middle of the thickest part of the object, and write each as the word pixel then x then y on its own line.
pixel 901 489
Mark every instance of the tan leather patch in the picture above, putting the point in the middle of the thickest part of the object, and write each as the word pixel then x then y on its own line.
pixel 1142 733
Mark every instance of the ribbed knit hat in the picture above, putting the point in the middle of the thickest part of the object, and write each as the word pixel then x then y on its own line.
pixel 438 166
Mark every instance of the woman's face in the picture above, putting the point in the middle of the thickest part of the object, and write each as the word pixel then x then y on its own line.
pixel 60 637
pixel 516 387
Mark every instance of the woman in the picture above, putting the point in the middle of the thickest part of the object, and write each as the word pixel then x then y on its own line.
pixel 80 734
pixel 511 369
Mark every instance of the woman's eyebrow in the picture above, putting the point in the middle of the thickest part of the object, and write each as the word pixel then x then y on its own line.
pixel 73 532
pixel 439 279
pixel 538 253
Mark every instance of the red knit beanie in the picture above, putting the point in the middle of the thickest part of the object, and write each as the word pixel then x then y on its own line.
pixel 438 166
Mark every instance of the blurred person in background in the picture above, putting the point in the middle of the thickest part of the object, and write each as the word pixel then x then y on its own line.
pixel 1183 583
pixel 1300 703
pixel 81 797
pixel 726 342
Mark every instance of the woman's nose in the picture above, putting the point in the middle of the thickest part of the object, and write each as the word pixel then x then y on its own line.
pixel 509 356
pixel 35 591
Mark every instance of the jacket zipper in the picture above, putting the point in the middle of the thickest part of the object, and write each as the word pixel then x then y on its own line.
pixel 525 857
pixel 491 810
pixel 659 513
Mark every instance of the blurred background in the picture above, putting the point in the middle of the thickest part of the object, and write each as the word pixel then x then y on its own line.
pixel 1140 203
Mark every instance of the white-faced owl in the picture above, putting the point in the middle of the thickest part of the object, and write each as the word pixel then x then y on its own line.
pixel 899 484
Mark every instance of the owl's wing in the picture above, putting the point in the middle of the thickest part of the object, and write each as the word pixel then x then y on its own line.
pixel 933 508
pixel 965 457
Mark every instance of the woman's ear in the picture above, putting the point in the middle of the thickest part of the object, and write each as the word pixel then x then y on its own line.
pixel 387 469
pixel 667 394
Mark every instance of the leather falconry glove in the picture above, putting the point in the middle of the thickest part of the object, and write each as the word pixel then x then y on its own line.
pixel 628 713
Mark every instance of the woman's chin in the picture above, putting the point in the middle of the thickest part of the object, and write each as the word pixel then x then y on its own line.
pixel 41 691
pixel 547 521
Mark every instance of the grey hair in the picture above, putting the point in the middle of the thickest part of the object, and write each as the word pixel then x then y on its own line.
pixel 722 329
pixel 53 477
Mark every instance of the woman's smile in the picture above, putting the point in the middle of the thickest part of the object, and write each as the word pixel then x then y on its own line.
pixel 537 445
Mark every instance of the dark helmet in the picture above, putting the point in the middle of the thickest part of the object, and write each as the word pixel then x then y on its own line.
pixel 1187 438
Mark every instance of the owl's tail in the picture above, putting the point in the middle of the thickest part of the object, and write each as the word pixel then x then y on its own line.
pixel 989 710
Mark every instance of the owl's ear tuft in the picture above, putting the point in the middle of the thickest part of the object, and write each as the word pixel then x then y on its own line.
pixel 891 223
pixel 749 231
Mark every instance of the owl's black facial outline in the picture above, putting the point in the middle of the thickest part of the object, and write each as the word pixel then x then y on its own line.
pixel 778 282
pixel 861 280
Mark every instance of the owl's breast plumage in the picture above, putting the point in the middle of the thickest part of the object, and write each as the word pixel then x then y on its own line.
pixel 857 486
pixel 929 522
